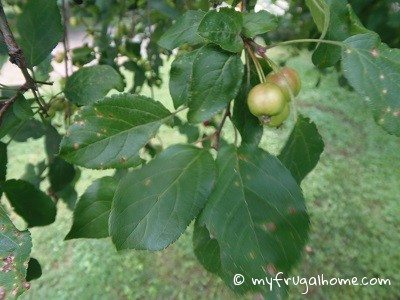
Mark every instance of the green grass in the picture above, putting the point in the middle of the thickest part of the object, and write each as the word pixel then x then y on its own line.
pixel 352 197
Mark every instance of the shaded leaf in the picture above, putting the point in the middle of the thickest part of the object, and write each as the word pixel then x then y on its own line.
pixel 216 79
pixel 43 70
pixel 30 128
pixel 153 205
pixel 192 132
pixel 326 55
pixel 52 142
pixel 184 31
pixel 303 148
pixel 15 248
pixel 373 70
pixel 40 29
pixel 82 55
pixel 255 23
pixel 110 133
pixel 60 174
pixel 223 28
pixel 163 7
pixel 34 270
pixel 90 84
pixel 181 78
pixel 206 249
pixel 257 214
pixel 139 75
pixel 93 209
pixel 320 12
pixel 34 206
pixel 15 116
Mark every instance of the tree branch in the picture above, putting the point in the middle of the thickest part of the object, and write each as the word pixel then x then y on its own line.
pixel 16 57
pixel 14 51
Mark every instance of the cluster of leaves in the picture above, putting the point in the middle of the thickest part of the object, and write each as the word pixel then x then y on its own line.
pixel 247 206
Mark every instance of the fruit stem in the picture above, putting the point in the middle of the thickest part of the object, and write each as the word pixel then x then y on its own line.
pixel 259 69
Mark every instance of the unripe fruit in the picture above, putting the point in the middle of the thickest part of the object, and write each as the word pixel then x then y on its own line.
pixel 59 57
pixel 266 99
pixel 288 80
pixel 276 121
pixel 73 21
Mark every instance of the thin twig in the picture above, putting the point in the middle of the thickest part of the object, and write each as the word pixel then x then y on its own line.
pixel 221 125
pixel 7 104
pixel 65 13
pixel 65 36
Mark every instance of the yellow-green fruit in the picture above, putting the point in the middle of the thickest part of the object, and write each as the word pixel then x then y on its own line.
pixel 58 104
pixel 276 121
pixel 59 57
pixel 288 80
pixel 73 21
pixel 266 99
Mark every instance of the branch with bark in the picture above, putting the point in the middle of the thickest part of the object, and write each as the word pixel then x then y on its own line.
pixel 16 57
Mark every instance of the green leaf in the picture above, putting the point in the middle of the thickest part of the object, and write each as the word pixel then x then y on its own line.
pixel 356 26
pixel 206 249
pixel 82 55
pixel 40 29
pixel 247 124
pixel 139 75
pixel 165 8
pixel 93 210
pixel 34 206
pixel 34 270
pixel 15 248
pixel 61 174
pixel 15 116
pixel 153 205
pixel 320 12
pixel 255 23
pixel 191 131
pixel 326 55
pixel 257 214
pixel 109 133
pixel 184 31
pixel 301 153
pixel 373 69
pixel 3 162
pixel 216 79
pixel 90 84
pixel 181 78
pixel 43 70
pixel 30 128
pixel 223 28
pixel 52 142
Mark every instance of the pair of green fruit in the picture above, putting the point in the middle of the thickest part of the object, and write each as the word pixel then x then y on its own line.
pixel 269 101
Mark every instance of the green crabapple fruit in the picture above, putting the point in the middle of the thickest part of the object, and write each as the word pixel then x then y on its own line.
pixel 266 99
pixel 288 80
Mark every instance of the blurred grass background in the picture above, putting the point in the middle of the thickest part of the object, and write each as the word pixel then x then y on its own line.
pixel 352 197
